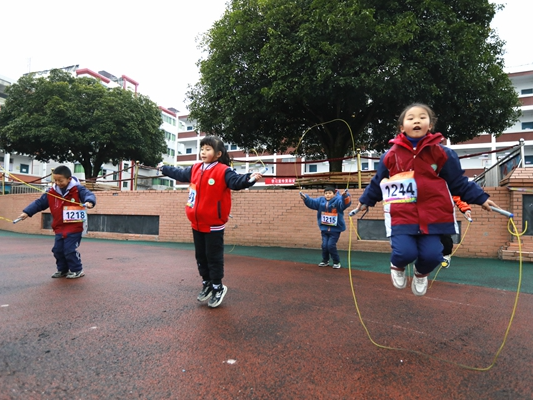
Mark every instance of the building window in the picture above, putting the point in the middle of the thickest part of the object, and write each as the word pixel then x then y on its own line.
pixel 526 91
pixel 233 147
pixel 126 166
pixel 24 168
pixel 527 125
pixel 189 127
pixel 78 169
pixel 188 150
pixel 312 168
pixel 124 184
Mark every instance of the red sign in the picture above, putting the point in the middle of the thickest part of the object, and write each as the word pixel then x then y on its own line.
pixel 280 181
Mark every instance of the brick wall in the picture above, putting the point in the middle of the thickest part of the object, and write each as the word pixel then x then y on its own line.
pixel 267 218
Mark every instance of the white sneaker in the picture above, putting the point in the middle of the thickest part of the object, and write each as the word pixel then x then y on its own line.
pixel 337 265
pixel 399 280
pixel 446 260
pixel 419 285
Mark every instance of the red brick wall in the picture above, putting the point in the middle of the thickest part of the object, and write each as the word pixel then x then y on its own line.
pixel 267 218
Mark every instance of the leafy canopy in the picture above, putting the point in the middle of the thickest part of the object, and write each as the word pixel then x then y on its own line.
pixel 275 68
pixel 69 119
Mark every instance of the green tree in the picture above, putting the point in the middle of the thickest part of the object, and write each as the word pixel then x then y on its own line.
pixel 69 119
pixel 275 68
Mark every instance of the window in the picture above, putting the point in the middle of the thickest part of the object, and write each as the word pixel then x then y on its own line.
pixel 78 169
pixel 527 125
pixel 312 168
pixel 124 184
pixel 364 166
pixel 188 150
pixel 526 91
pixel 189 127
pixel 233 147
pixel 126 166
pixel 173 137
pixel 24 168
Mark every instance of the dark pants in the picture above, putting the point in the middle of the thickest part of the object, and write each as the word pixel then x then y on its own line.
pixel 209 252
pixel 447 243
pixel 66 252
pixel 329 246
pixel 425 249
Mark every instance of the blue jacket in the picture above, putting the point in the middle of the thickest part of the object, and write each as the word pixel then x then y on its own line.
pixel 335 206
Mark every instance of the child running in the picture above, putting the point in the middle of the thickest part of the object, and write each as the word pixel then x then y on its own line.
pixel 416 179
pixel 208 208
pixel 330 217
pixel 67 200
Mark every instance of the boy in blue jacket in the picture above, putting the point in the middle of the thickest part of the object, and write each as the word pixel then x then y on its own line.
pixel 330 217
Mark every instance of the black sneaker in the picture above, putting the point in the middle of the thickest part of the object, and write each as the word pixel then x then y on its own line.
pixel 217 297
pixel 206 292
pixel 60 274
pixel 74 275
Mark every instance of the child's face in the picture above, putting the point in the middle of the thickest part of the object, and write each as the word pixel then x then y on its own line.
pixel 61 181
pixel 328 194
pixel 208 155
pixel 416 122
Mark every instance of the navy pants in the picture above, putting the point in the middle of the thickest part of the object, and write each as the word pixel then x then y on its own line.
pixel 425 249
pixel 209 252
pixel 66 252
pixel 447 243
pixel 329 246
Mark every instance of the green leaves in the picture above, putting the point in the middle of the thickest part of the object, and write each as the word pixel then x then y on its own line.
pixel 64 118
pixel 276 67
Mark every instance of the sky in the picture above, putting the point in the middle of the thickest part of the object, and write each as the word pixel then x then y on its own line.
pixel 155 42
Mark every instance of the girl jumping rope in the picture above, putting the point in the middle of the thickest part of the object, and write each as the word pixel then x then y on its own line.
pixel 416 179
pixel 208 208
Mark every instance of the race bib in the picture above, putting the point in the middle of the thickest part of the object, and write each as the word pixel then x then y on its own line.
pixel 328 218
pixel 192 195
pixel 400 188
pixel 74 214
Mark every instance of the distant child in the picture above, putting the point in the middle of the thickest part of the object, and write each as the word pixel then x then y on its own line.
pixel 330 217
pixel 208 209
pixel 67 200
pixel 446 240
pixel 416 179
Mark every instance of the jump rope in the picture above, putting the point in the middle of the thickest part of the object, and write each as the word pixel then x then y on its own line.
pixel 513 232
pixel 510 223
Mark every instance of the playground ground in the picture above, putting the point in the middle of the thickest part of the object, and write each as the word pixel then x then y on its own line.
pixel 287 329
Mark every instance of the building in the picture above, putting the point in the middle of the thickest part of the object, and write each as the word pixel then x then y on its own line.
pixel 125 176
pixel 183 143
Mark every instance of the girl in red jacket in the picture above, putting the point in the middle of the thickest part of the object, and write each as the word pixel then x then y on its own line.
pixel 208 208
pixel 416 179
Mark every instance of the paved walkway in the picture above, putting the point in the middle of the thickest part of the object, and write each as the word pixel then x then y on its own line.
pixel 287 329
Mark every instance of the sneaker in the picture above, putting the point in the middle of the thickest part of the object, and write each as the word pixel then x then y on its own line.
pixel 337 265
pixel 323 263
pixel 74 275
pixel 217 297
pixel 446 260
pixel 399 280
pixel 206 292
pixel 419 285
pixel 60 274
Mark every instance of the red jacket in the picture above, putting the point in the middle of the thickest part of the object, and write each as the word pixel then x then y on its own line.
pixel 433 174
pixel 209 202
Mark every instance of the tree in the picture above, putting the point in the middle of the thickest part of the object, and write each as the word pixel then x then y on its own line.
pixel 275 68
pixel 69 119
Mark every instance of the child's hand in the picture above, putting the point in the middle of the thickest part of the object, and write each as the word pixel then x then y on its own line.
pixel 22 216
pixel 345 193
pixel 488 204
pixel 89 204
pixel 303 196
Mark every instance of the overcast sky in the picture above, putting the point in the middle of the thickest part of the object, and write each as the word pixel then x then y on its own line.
pixel 154 42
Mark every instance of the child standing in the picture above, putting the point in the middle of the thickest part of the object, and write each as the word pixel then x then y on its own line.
pixel 67 200
pixel 330 217
pixel 208 209
pixel 416 179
